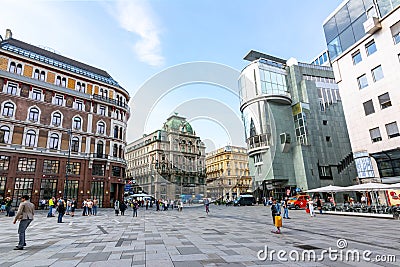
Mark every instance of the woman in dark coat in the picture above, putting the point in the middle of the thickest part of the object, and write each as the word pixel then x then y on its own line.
pixel 122 208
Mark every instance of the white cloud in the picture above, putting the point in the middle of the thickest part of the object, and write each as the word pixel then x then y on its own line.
pixel 136 16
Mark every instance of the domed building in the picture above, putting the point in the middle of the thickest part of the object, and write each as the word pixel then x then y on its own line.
pixel 168 163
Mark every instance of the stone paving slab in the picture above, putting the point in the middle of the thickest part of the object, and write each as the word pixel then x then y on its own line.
pixel 228 236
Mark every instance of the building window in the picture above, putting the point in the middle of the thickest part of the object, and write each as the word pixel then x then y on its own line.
pixel 102 110
pixel 34 114
pixel 26 165
pixel 75 144
pixel 115 131
pixel 392 130
pixel 4 134
pixel 98 169
pixel 30 138
pixel 325 172
pixel 115 150
pixel 101 127
pixel 368 107
pixel 59 100
pixel 75 168
pixel 79 105
pixel 324 122
pixel 22 186
pixel 37 94
pixel 56 120
pixel 51 166
pixel 395 29
pixel 36 74
pixel 362 81
pixel 375 135
pixel 370 48
pixel 377 73
pixel 327 138
pixel 48 188
pixel 11 88
pixel 8 109
pixel 99 150
pixel 77 123
pixel 356 58
pixel 116 171
pixel 384 101
pixel 4 163
pixel 19 69
pixel 64 82
pixel 58 80
pixel 42 75
pixel 54 141
pixel 12 67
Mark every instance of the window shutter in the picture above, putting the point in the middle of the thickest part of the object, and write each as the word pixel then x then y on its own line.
pixel 392 129
pixel 375 133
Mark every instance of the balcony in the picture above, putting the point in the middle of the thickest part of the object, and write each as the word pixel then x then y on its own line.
pixel 257 144
pixel 111 101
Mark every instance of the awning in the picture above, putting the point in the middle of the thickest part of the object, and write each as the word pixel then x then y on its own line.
pixel 327 189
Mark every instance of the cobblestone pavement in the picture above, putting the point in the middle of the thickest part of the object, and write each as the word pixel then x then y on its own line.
pixel 228 236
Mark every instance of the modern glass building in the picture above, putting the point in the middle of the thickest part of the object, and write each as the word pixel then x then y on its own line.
pixel 362 39
pixel 294 125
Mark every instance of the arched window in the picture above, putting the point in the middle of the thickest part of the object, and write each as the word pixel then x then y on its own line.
pixel 58 81
pixel 54 140
pixel 42 75
pixel 4 134
pixel 99 150
pixel 56 120
pixel 34 114
pixel 83 89
pixel 101 127
pixel 19 69
pixel 120 133
pixel 64 82
pixel 115 150
pixel 30 138
pixel 78 86
pixel 12 67
pixel 115 131
pixel 8 109
pixel 75 144
pixel 36 74
pixel 77 123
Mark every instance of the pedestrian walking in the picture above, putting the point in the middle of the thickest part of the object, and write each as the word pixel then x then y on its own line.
pixel 51 207
pixel 116 207
pixel 122 208
pixel 8 205
pixel 181 205
pixel 95 205
pixel 135 207
pixel 89 207
pixel 207 205
pixel 319 205
pixel 285 208
pixel 61 210
pixel 311 207
pixel 74 204
pixel 25 216
pixel 276 218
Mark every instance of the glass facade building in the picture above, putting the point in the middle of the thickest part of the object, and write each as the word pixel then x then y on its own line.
pixel 294 126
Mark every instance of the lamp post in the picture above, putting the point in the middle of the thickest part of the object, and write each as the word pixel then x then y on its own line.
pixel 68 169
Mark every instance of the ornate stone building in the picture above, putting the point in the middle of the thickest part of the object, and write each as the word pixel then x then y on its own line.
pixel 57 112
pixel 169 163
pixel 228 173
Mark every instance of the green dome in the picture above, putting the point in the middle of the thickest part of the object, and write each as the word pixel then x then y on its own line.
pixel 176 123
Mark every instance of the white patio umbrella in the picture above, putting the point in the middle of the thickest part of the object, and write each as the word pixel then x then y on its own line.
pixel 327 189
pixel 393 186
pixel 366 187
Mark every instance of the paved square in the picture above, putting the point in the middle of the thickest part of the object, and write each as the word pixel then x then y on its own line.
pixel 228 236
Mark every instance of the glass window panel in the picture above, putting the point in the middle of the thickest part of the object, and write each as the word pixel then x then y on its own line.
pixel 369 107
pixel 334 48
pixel 362 81
pixel 356 9
pixel 358 27
pixel 377 73
pixel 384 7
pixel 330 29
pixel 356 58
pixel 342 19
pixel 370 47
pixel 347 38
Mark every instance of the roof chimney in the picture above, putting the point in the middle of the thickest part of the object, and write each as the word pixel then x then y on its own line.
pixel 8 34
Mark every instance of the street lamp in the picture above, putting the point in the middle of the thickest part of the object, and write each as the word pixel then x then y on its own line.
pixel 68 169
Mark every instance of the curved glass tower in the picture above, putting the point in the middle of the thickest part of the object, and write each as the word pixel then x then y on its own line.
pixel 283 105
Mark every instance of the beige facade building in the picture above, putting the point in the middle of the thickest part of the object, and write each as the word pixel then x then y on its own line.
pixel 228 173
pixel 169 163
pixel 62 127
pixel 363 43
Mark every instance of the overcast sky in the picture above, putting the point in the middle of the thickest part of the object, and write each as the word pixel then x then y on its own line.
pixel 136 39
